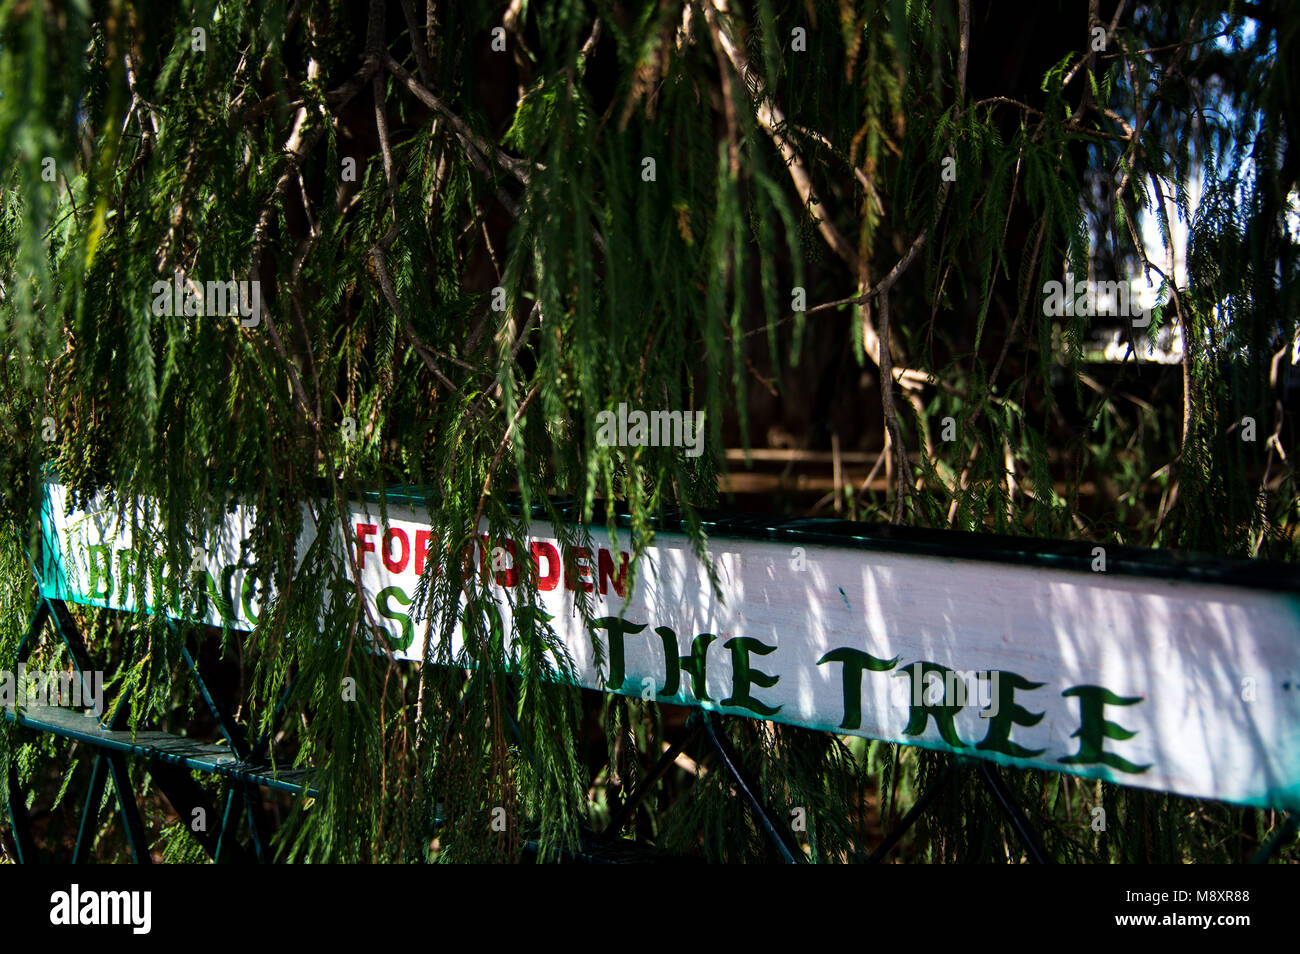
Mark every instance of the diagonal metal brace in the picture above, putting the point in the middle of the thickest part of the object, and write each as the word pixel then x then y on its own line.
pixel 916 811
pixel 634 798
pixel 1007 802
pixel 790 853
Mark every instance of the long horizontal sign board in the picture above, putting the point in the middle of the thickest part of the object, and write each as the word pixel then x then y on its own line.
pixel 1178 677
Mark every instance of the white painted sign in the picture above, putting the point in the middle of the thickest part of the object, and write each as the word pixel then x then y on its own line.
pixel 1159 683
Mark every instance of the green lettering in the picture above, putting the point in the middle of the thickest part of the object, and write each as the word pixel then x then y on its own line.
pixel 1094 730
pixel 166 594
pixel 246 598
pixel 98 572
pixel 131 574
pixel 225 604
pixel 408 629
pixel 742 677
pixel 998 738
pixel 920 710
pixel 696 663
pixel 209 589
pixel 855 662
pixel 672 663
pixel 617 629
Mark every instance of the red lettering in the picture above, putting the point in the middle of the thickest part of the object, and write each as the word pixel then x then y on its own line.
pixel 606 563
pixel 580 572
pixel 398 565
pixel 538 549
pixel 421 549
pixel 364 530
pixel 506 576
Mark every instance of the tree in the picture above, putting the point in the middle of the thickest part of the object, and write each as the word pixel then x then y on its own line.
pixel 474 230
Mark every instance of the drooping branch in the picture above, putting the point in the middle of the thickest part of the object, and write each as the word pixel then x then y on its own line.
pixel 772 119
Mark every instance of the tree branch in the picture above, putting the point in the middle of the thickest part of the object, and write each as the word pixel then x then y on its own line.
pixel 773 121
